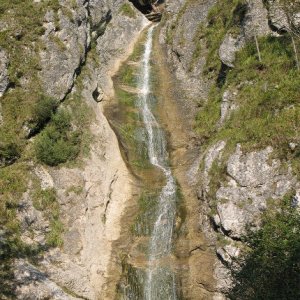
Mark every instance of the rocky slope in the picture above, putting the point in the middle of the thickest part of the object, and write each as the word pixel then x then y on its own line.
pixel 235 153
pixel 236 174
pixel 82 44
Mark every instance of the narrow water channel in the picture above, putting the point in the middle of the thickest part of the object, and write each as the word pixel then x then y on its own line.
pixel 148 264
pixel 160 280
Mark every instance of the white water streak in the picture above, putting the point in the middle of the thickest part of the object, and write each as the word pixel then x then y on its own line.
pixel 160 281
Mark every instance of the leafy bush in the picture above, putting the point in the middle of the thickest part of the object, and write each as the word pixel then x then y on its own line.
pixel 271 268
pixel 42 112
pixel 9 153
pixel 58 143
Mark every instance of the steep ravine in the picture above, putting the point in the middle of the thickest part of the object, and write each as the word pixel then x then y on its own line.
pixel 158 163
pixel 191 252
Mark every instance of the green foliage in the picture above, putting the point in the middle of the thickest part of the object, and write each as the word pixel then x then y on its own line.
pixel 127 75
pixel 13 183
pixel 127 10
pixel 9 153
pixel 58 143
pixel 268 103
pixel 209 115
pixel 20 38
pixel 224 17
pixel 43 110
pixel 271 267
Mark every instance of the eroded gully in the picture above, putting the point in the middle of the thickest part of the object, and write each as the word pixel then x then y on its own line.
pixel 155 252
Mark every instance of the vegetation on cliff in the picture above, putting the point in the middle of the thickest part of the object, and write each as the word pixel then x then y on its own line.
pixel 270 268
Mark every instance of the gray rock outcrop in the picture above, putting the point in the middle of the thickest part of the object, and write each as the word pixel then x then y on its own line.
pixel 91 198
pixel 229 47
pixel 252 179
pixel 4 81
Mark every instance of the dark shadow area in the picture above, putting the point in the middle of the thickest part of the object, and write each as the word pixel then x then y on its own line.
pixel 147 6
pixel 222 75
pixel 143 6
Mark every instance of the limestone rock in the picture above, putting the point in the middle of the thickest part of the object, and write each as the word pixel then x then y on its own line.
pixel 212 154
pixel 45 178
pixel 4 81
pixel 182 26
pixel 277 16
pixel 256 20
pixel 254 178
pixel 33 225
pixel 64 51
pixel 92 198
pixel 227 253
pixel 228 49
pixel 227 105
pixel 33 284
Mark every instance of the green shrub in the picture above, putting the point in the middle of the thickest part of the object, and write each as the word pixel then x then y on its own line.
pixel 9 153
pixel 42 112
pixel 223 17
pixel 58 143
pixel 271 267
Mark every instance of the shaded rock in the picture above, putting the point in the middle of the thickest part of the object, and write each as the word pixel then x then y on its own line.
pixel 227 253
pixel 277 16
pixel 32 284
pixel 98 94
pixel 4 81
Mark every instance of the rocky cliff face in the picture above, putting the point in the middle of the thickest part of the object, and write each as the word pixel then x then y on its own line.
pixel 86 39
pixel 235 182
pixel 241 158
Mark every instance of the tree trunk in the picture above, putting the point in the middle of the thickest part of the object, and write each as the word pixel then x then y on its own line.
pixel 296 53
pixel 257 47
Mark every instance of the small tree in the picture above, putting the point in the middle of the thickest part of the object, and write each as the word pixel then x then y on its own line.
pixel 254 30
pixel 291 8
pixel 270 269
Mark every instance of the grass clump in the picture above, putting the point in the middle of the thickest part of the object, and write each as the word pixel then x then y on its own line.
pixel 270 269
pixel 58 143
pixel 127 10
pixel 45 201
pixel 268 111
pixel 42 112
pixel 224 17
pixel 9 153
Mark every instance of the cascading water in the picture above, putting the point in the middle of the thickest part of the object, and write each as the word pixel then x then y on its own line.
pixel 160 279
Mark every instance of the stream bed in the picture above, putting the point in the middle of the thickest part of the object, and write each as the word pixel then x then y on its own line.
pixel 148 270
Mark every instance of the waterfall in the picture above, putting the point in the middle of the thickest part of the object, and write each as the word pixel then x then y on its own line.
pixel 160 279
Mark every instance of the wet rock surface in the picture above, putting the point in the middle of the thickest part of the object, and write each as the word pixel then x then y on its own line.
pixel 250 178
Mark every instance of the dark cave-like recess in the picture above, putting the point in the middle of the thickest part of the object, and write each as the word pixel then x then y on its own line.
pixel 144 6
